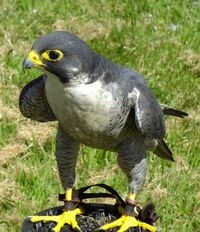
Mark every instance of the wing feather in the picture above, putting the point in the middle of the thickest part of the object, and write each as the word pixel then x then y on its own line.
pixel 149 117
pixel 33 102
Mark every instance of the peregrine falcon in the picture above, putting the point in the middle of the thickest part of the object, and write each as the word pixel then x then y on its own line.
pixel 99 104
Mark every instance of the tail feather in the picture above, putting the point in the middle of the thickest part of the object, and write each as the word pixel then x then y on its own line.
pixel 163 151
pixel 173 112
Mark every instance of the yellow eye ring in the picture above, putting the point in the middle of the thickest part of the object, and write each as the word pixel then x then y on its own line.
pixel 52 55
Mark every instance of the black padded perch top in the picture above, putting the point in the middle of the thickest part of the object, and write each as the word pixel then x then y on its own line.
pixel 95 216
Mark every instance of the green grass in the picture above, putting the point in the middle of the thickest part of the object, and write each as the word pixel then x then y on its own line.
pixel 159 39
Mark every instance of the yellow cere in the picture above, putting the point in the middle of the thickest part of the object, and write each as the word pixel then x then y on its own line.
pixel 52 55
pixel 35 58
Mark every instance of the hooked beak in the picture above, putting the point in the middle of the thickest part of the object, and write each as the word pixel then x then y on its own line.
pixel 33 59
pixel 27 63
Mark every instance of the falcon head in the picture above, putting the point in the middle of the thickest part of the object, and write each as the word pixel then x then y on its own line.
pixel 62 55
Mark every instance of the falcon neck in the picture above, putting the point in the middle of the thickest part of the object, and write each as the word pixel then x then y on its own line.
pixel 103 68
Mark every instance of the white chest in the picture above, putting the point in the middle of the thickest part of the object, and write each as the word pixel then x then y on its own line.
pixel 84 110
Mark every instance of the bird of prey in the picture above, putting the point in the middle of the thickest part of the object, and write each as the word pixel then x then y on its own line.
pixel 99 104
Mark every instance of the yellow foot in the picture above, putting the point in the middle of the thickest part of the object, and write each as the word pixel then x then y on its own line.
pixel 126 222
pixel 67 217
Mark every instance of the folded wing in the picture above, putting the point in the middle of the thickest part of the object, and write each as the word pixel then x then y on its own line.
pixel 33 102
pixel 149 118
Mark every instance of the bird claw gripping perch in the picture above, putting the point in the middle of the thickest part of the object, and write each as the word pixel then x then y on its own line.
pixel 67 217
pixel 134 216
pixel 126 214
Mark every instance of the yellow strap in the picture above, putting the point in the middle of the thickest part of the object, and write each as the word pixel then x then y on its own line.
pixel 132 196
pixel 68 194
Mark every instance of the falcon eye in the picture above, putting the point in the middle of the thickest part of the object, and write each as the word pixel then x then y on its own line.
pixel 52 55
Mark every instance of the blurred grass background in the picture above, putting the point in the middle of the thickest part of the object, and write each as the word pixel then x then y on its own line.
pixel 159 39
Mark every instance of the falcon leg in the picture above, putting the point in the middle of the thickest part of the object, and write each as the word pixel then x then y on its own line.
pixel 132 160
pixel 66 153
